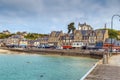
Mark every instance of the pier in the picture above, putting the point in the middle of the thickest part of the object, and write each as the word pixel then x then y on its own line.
pixel 110 71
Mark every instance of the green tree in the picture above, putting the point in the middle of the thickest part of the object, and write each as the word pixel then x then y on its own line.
pixel 71 27
pixel 3 36
pixel 34 36
pixel 113 33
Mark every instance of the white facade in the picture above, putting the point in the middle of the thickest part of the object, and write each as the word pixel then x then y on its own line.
pixel 77 44
pixel 84 27
pixel 36 43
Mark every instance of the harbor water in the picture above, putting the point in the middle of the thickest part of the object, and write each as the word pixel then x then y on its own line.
pixel 39 67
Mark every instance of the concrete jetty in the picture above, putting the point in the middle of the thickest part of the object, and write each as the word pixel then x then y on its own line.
pixel 110 71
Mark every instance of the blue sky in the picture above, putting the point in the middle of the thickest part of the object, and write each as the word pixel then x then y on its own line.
pixel 44 16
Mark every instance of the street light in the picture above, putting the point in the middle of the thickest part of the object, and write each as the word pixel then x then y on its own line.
pixel 112 27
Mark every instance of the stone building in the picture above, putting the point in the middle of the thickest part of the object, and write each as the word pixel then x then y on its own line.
pixel 84 27
pixel 85 35
pixel 67 39
pixel 102 35
pixel 14 41
pixel 43 40
pixel 54 38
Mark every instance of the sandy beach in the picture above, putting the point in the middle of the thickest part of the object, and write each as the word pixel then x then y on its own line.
pixel 4 51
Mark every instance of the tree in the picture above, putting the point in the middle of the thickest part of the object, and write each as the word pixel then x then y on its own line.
pixel 71 27
pixel 34 36
pixel 113 33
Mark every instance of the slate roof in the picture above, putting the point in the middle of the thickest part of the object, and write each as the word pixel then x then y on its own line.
pixel 57 33
pixel 71 36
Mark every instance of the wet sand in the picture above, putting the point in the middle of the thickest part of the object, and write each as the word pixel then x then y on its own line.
pixel 4 51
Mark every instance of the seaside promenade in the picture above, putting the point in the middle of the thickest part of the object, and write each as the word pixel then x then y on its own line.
pixel 110 71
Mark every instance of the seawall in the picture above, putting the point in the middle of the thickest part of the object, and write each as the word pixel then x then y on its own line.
pixel 82 53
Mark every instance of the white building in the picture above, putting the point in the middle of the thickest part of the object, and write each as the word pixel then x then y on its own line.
pixel 77 44
pixel 84 27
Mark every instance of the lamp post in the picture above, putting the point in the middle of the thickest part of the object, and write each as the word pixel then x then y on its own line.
pixel 112 28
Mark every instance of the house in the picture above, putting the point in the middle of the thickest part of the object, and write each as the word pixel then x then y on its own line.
pixel 6 32
pixel 86 36
pixel 67 40
pixel 102 35
pixel 77 42
pixel 92 38
pixel 36 43
pixel 44 40
pixel 31 43
pixel 14 41
pixel 84 27
pixel 2 42
pixel 23 43
pixel 24 33
pixel 54 38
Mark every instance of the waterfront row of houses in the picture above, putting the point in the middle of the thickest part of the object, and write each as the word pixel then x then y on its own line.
pixel 84 36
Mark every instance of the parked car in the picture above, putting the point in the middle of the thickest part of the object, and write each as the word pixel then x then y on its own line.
pixel 59 47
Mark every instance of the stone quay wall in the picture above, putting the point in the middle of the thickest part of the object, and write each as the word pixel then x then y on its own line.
pixel 82 53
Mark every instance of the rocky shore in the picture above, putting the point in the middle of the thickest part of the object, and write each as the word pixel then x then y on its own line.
pixel 83 53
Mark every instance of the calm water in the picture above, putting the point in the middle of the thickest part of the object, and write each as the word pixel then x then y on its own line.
pixel 38 67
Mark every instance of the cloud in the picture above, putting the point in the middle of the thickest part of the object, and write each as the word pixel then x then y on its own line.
pixel 56 14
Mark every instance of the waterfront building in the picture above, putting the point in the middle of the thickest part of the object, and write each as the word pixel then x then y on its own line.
pixel 31 43
pixel 77 42
pixel 36 43
pixel 14 40
pixel 2 44
pixel 54 38
pixel 44 40
pixel 23 43
pixel 86 36
pixel 92 37
pixel 67 40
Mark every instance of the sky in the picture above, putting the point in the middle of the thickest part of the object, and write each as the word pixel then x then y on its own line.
pixel 44 16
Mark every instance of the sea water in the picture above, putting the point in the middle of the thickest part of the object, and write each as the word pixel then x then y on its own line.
pixel 39 67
